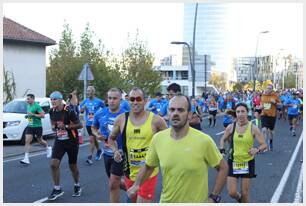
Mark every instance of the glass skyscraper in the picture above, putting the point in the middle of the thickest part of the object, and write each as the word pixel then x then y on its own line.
pixel 211 33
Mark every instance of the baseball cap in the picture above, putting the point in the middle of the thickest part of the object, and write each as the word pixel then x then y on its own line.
pixel 56 95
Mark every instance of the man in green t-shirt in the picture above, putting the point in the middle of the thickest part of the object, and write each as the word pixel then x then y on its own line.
pixel 34 128
pixel 184 155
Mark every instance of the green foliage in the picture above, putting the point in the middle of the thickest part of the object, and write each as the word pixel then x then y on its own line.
pixel 137 68
pixel 9 86
pixel 218 80
pixel 290 80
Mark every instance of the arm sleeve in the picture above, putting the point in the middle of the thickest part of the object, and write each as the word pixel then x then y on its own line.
pixel 151 157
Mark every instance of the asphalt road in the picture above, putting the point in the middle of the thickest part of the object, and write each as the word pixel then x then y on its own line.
pixel 275 180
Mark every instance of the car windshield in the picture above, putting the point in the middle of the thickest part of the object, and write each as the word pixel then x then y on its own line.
pixel 16 107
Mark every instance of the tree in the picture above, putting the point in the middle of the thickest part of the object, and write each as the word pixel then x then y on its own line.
pixel 137 67
pixel 218 80
pixel 238 86
pixel 9 86
pixel 290 80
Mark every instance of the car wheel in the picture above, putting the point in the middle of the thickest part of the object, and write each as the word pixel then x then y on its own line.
pixel 22 141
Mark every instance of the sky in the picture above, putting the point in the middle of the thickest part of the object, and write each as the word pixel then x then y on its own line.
pixel 160 23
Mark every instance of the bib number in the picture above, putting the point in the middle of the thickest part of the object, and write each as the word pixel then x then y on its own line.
pixel 62 134
pixel 267 106
pixel 240 168
pixel 138 156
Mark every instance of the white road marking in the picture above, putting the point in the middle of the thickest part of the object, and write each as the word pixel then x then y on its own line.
pixel 279 190
pixel 41 200
pixel 299 188
pixel 34 155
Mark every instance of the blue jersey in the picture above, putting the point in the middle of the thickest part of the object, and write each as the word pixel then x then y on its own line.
pixel 294 109
pixel 124 104
pixel 164 109
pixel 104 120
pixel 227 119
pixel 155 106
pixel 92 106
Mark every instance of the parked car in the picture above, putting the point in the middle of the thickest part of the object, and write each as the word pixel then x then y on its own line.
pixel 15 123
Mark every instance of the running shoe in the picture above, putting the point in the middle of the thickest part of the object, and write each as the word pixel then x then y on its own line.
pixel 25 161
pixel 55 194
pixel 89 161
pixel 77 190
pixel 98 155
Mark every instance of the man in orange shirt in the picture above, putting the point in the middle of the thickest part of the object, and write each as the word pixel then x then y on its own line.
pixel 268 103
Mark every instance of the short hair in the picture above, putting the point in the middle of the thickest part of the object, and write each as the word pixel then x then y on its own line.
pixel 188 101
pixel 158 94
pixel 32 96
pixel 92 87
pixel 115 89
pixel 242 104
pixel 174 87
pixel 138 89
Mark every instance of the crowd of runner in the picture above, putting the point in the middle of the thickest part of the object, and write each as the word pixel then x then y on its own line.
pixel 138 137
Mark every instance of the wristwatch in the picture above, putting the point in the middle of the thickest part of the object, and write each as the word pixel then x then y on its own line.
pixel 215 198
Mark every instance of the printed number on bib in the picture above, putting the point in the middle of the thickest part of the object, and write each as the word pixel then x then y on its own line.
pixel 138 156
pixel 62 134
pixel 267 106
pixel 240 168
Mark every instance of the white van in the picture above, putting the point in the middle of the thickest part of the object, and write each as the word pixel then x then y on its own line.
pixel 15 123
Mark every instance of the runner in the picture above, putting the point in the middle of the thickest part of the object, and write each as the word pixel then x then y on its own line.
pixel 137 128
pixel 293 105
pixel 257 108
pixel 91 105
pixel 212 109
pixel 34 128
pixel 196 117
pixel 184 155
pixel 241 159
pixel 101 128
pixel 65 123
pixel 268 103
pixel 155 105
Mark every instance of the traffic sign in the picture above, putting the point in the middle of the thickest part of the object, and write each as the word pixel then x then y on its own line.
pixel 86 72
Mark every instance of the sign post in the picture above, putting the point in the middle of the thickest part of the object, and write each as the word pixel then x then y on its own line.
pixel 85 75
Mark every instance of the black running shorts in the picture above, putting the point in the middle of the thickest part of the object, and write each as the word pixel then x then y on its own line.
pixel 71 146
pixel 251 173
pixel 268 122
pixel 112 167
pixel 34 131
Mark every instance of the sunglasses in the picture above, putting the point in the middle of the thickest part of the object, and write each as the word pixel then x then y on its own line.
pixel 54 99
pixel 138 99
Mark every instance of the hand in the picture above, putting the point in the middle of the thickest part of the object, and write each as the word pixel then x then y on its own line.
pixel 117 156
pixel 273 101
pixel 253 151
pixel 30 114
pixel 60 125
pixel 132 191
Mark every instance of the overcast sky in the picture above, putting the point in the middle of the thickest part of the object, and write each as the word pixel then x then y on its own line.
pixel 161 23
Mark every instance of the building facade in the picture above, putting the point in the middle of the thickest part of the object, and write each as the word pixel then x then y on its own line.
pixel 24 55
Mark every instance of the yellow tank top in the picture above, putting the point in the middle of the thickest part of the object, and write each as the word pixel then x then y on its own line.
pixel 242 144
pixel 138 139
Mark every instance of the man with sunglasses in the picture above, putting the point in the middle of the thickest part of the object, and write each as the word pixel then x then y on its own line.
pixel 34 128
pixel 137 128
pixel 102 126
pixel 65 124
pixel 91 105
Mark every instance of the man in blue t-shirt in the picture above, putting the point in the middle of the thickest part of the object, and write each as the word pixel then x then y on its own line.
pixel 155 105
pixel 102 126
pixel 293 105
pixel 91 105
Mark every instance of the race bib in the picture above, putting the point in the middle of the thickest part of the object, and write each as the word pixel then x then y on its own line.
pixel 240 168
pixel 30 120
pixel 91 117
pixel 110 127
pixel 138 156
pixel 267 105
pixel 62 134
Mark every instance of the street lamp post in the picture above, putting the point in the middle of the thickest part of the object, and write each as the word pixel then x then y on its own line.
pixel 191 63
pixel 255 63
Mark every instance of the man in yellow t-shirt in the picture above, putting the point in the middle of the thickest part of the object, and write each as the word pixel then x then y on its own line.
pixel 184 155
